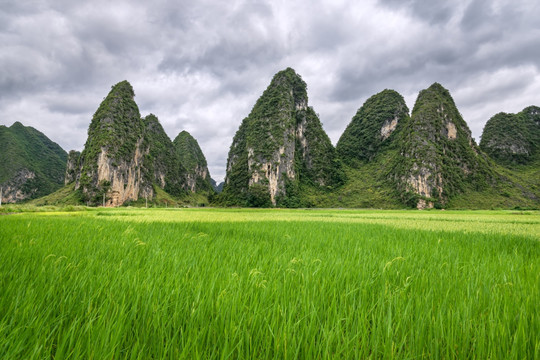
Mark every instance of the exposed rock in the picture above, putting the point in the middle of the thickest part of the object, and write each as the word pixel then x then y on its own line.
pixel 388 127
pixel 19 187
pixel 451 131
pixel 513 138
pixel 439 158
pixel 193 160
pixel 280 144
pixel 72 166
pixel 31 165
pixel 374 127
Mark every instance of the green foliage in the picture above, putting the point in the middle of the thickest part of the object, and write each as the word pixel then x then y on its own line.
pixel 23 148
pixel 117 118
pixel 362 139
pixel 258 196
pixel 513 139
pixel 269 284
pixel 453 164
pixel 281 128
pixel 192 159
pixel 162 161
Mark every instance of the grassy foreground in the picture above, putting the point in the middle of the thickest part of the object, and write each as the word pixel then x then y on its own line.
pixel 246 284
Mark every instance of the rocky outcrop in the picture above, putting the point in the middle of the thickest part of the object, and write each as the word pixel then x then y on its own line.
pixel 110 166
pixel 193 161
pixel 125 156
pixel 31 165
pixel 72 166
pixel 278 146
pixel 20 187
pixel 512 139
pixel 438 157
pixel 374 127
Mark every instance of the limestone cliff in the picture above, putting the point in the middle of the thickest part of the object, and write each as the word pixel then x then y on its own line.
pixel 162 163
pixel 110 166
pixel 278 147
pixel 192 159
pixel 438 157
pixel 72 166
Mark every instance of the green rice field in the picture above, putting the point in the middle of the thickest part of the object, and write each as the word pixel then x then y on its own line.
pixel 269 284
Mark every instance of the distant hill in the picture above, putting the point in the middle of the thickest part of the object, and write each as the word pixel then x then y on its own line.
pixel 512 139
pixel 31 164
pixel 192 158
pixel 281 156
pixel 217 187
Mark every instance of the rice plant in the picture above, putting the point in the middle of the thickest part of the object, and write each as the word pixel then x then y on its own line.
pixel 287 284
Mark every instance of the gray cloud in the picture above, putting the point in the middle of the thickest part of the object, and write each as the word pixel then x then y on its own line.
pixel 200 66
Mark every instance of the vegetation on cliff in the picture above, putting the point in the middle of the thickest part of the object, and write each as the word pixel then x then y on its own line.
pixel 115 134
pixel 438 156
pixel 279 148
pixel 161 162
pixel 512 139
pixel 373 128
pixel 31 164
pixel 193 160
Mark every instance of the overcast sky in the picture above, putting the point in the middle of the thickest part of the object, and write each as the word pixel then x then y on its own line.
pixel 201 65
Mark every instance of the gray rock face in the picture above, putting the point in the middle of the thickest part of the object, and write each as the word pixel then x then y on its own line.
pixel 280 144
pixel 72 166
pixel 439 157
pixel 12 190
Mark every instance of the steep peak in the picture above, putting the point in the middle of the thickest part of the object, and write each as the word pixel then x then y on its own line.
pixel 189 151
pixel 533 113
pixel 292 82
pixel 439 156
pixel 16 125
pixel 152 123
pixel 184 136
pixel 124 88
pixel 192 158
pixel 437 87
pixel 373 127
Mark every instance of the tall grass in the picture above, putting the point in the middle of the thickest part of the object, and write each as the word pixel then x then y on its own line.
pixel 268 284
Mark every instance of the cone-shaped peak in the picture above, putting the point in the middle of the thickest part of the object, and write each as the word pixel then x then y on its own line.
pixel 373 126
pixel 279 145
pixel 189 151
pixel 513 138
pixel 193 160
pixel 439 157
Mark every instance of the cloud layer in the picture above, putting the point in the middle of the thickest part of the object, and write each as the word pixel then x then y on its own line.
pixel 200 66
